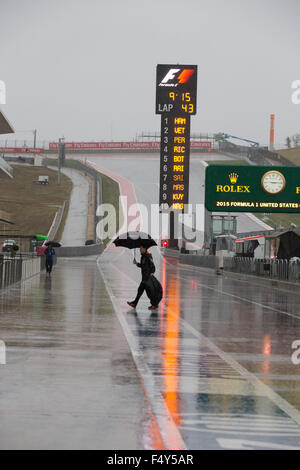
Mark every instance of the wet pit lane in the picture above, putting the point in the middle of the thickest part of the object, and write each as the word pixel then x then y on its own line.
pixel 218 352
pixel 211 369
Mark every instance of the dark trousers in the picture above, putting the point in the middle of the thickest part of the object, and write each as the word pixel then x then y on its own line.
pixel 49 264
pixel 140 292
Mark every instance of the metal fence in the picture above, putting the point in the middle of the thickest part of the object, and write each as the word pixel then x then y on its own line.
pixel 27 143
pixel 281 269
pixel 16 268
pixel 10 271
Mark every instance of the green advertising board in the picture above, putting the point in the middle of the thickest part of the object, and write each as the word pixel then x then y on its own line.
pixel 252 188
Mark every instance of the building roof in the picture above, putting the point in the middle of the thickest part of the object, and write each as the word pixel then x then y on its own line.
pixel 277 234
pixel 5 126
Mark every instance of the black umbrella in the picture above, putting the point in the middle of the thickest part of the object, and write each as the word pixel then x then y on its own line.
pixel 54 244
pixel 133 240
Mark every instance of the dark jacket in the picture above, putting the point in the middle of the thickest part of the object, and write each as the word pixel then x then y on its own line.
pixel 147 266
pixel 49 253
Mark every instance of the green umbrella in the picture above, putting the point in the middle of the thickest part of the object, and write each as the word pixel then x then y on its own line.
pixel 42 237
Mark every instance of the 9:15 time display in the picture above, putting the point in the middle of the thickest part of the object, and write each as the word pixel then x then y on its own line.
pixel 183 100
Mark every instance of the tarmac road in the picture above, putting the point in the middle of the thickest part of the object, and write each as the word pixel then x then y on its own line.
pixel 76 224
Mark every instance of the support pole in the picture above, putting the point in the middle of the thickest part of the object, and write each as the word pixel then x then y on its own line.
pixel 207 229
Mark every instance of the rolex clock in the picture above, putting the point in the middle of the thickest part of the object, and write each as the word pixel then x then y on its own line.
pixel 273 182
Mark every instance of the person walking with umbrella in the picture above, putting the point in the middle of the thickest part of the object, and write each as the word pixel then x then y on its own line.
pixel 49 254
pixel 150 284
pixel 148 269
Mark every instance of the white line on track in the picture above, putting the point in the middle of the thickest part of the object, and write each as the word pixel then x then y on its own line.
pixel 169 431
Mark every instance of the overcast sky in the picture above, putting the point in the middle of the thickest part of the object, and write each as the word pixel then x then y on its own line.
pixel 86 69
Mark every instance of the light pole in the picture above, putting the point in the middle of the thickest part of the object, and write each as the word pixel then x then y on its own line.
pixel 59 161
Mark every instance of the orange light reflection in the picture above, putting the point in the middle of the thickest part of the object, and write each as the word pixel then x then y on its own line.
pixel 171 346
pixel 266 350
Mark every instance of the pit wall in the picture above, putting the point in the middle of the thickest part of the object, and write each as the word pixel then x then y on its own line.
pixel 74 251
pixel 200 261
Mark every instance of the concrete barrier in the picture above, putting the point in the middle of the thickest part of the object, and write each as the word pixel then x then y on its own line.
pixel 169 253
pixel 74 251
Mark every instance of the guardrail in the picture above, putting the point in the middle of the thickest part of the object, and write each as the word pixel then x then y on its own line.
pixel 56 222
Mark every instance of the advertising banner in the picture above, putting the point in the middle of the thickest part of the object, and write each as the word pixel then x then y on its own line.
pixel 20 150
pixel 252 188
pixel 122 145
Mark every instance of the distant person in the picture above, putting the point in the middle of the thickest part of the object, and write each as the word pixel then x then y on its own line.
pixel 148 270
pixel 49 253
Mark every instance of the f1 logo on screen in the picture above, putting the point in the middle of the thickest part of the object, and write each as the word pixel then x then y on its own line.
pixel 176 89
pixel 184 77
